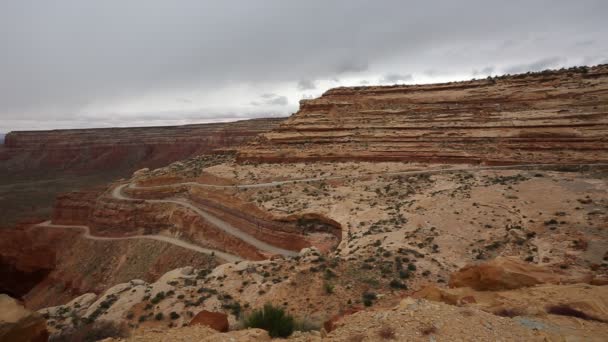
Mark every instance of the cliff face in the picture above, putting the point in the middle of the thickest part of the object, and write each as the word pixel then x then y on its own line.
pixel 548 117
pixel 86 150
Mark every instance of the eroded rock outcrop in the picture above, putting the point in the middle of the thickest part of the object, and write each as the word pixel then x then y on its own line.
pixel 17 324
pixel 548 117
pixel 503 273
pixel 581 300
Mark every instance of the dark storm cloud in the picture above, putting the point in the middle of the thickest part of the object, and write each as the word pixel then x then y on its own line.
pixel 539 65
pixel 306 85
pixel 60 57
pixel 485 71
pixel 271 100
pixel 394 78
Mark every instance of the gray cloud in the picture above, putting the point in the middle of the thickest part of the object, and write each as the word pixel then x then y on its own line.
pixel 485 71
pixel 538 65
pixel 394 78
pixel 306 85
pixel 350 66
pixel 271 100
pixel 63 58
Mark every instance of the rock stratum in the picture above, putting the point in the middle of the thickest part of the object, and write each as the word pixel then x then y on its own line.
pixel 546 117
pixel 87 150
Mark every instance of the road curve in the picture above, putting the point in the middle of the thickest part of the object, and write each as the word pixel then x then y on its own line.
pixel 117 193
pixel 217 222
pixel 177 242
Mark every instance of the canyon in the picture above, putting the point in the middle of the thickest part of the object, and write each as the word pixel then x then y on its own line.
pixel 464 211
pixel 35 166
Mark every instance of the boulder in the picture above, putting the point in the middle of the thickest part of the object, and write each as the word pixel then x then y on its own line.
pixel 18 324
pixel 214 320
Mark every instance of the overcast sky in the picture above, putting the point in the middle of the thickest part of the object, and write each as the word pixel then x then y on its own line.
pixel 67 64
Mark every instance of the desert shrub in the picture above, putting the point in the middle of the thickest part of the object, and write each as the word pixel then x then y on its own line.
pixel 173 315
pixel 404 274
pixel 272 319
pixel 92 332
pixel 329 274
pixel 329 288
pixel 159 316
pixel 159 296
pixel 368 298
pixel 397 284
pixel 386 333
pixel 234 307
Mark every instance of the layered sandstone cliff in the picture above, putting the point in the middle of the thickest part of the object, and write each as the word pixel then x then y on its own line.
pixel 547 117
pixel 86 150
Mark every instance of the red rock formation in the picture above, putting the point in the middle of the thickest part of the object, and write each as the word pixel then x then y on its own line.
pixel 287 233
pixel 127 149
pixel 508 273
pixel 112 217
pixel 548 117
pixel 214 320
pixel 74 208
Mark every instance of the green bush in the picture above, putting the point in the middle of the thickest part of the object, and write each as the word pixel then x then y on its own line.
pixel 368 298
pixel 396 284
pixel 272 319
pixel 329 288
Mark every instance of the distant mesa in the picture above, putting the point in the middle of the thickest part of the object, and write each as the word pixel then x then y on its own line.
pixel 122 150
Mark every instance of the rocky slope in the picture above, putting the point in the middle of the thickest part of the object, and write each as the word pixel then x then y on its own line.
pixel 18 324
pixel 545 312
pixel 547 117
